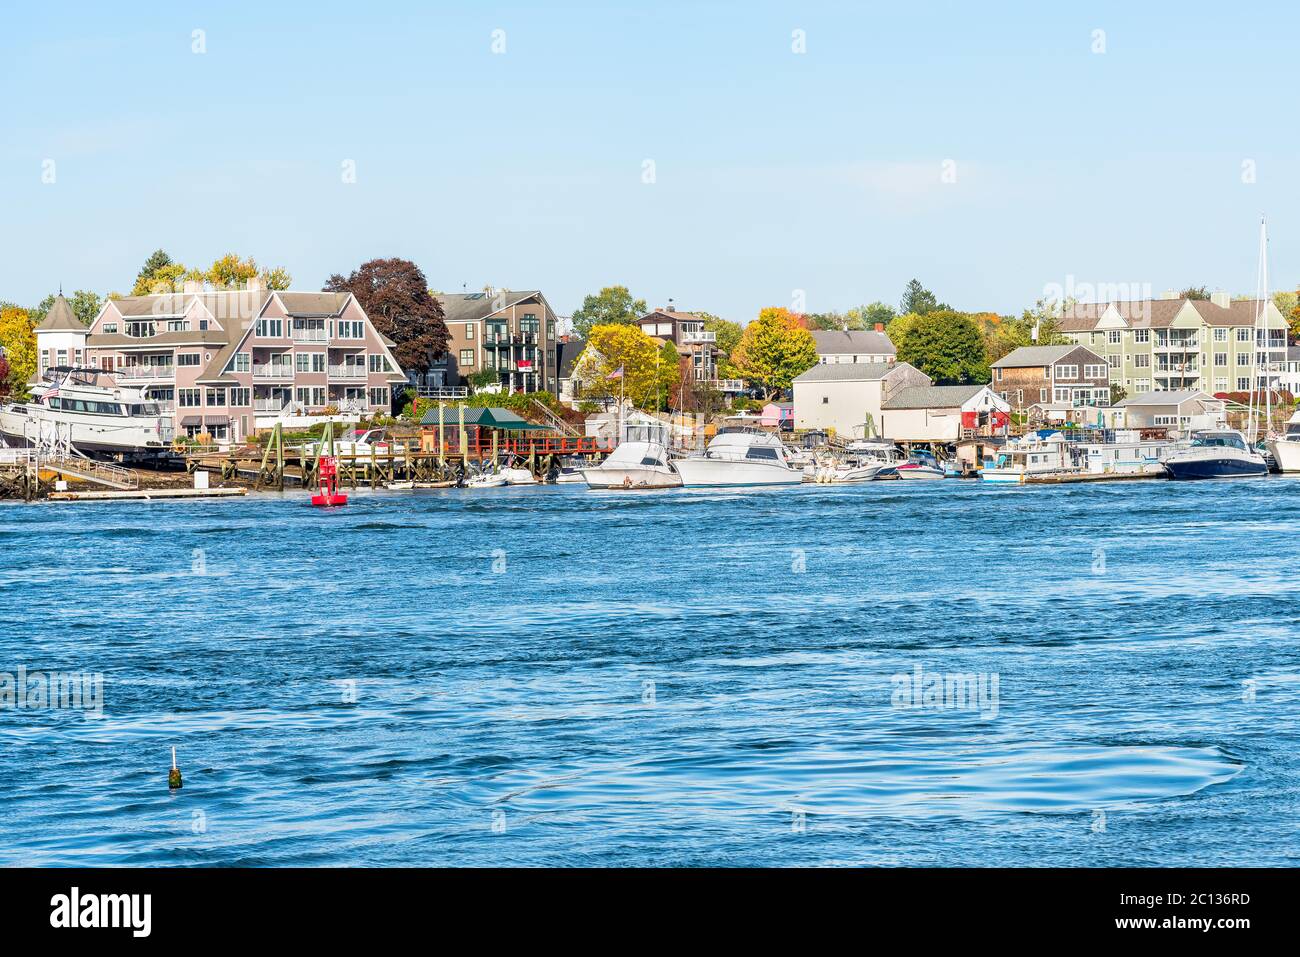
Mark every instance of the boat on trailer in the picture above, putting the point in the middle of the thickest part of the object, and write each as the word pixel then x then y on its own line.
pixel 84 408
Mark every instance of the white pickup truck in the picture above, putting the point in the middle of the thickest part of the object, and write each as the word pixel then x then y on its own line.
pixel 355 442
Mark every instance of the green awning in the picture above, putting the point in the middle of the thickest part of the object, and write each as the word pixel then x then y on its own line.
pixel 487 418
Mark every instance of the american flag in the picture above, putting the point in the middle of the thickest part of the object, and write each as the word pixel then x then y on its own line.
pixel 616 374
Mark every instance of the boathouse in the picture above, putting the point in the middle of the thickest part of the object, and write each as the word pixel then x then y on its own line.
pixel 845 396
pixel 944 413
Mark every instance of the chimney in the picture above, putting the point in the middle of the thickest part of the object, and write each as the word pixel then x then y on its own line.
pixel 880 327
pixel 1220 299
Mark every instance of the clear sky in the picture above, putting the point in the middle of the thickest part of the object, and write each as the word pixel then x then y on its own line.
pixel 774 171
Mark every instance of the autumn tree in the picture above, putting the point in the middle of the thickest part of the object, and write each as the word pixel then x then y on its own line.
pixel 231 272
pixel 1011 333
pixel 395 294
pixel 649 373
pixel 612 305
pixel 945 345
pixel 18 340
pixel 1195 292
pixel 773 349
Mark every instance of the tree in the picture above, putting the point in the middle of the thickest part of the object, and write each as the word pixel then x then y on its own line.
pixel 614 346
pixel 918 299
pixel 395 294
pixel 877 312
pixel 1195 292
pixel 947 346
pixel 231 272
pixel 166 278
pixel 612 305
pixel 1117 393
pixel 727 335
pixel 157 261
pixel 774 349
pixel 669 375
pixel 484 378
pixel 4 378
pixel 18 340
pixel 1010 333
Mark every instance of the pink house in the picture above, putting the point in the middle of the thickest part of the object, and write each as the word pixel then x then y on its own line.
pixel 776 414
pixel 227 363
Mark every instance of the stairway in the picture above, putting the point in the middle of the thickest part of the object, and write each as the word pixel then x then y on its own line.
pixel 100 473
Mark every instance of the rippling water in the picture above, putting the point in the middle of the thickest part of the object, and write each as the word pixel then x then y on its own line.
pixel 560 677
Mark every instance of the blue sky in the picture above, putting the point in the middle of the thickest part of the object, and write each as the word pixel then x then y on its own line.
pixel 774 171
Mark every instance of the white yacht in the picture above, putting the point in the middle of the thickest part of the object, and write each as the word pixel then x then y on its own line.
pixel 1286 447
pixel 70 405
pixel 634 465
pixel 740 456
pixel 1216 453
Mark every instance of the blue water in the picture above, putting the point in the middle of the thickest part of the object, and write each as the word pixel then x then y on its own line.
pixel 553 676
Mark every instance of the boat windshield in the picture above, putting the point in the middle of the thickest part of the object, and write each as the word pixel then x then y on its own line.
pixel 1224 441
pixel 145 409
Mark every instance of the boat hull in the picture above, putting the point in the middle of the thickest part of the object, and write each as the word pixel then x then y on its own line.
pixel 919 472
pixel 1214 468
pixel 712 473
pixel 1286 454
pixel 631 477
pixel 112 434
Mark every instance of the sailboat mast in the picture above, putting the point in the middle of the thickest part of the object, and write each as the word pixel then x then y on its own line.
pixel 1260 330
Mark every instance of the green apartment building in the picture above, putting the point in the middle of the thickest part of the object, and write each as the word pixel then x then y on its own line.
pixel 1156 345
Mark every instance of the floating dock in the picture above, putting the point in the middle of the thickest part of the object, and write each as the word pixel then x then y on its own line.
pixel 1072 477
pixel 112 496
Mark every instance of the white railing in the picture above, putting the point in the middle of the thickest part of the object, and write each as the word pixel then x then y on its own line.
pixel 273 371
pixel 727 385
pixel 347 372
pixel 310 335
pixel 269 405
pixel 690 337
pixel 144 372
pixel 442 391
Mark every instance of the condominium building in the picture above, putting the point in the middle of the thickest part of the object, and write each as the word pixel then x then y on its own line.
pixel 511 333
pixel 230 362
pixel 1173 343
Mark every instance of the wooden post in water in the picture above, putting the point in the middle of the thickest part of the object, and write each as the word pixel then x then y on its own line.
pixel 464 439
pixel 442 462
pixel 495 465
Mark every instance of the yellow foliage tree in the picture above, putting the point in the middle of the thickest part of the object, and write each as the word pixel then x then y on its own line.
pixel 18 339
pixel 773 349
pixel 649 373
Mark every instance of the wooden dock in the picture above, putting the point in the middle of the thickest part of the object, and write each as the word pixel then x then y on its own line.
pixel 1074 477
pixel 147 494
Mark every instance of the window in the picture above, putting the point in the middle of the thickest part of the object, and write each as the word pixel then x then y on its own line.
pixel 1114 361
pixel 1142 385
pixel 188 398
pixel 188 358
pixel 1243 358
pixel 997 375
pixel 178 325
pixel 826 400
pixel 240 396
pixel 1220 358
pixel 1220 385
pixel 1113 337
pixel 1067 372
pixel 1042 395
pixel 110 328
pixel 1243 334
pixel 1141 335
pixel 216 397
pixel 243 361
pixel 302 361
pixel 1220 335
pixel 1243 383
pixel 466 357
pixel 1142 360
pixel 379 395
pixel 302 395
pixel 351 329
pixel 317 395
pixel 1094 372
pixel 469 330
pixel 270 328
pixel 377 363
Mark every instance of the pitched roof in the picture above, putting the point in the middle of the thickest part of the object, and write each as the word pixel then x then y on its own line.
pixel 931 396
pixel 1025 356
pixel 852 342
pixel 492 418
pixel 1168 397
pixel 472 306
pixel 672 314
pixel 1158 313
pixel 847 372
pixel 314 304
pixel 61 318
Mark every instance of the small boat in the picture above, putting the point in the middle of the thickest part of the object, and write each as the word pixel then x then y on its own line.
pixel 634 465
pixel 1028 456
pixel 399 486
pixel 1216 453
pixel 517 476
pixel 486 480
pixel 740 456
pixel 920 466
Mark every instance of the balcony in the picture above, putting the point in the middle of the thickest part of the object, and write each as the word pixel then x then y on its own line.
pixel 696 338
pixel 1178 345
pixel 726 385
pixel 310 335
pixel 347 371
pixel 274 370
pixel 269 405
pixel 136 373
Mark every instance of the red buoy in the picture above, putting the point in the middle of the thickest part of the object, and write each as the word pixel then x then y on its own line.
pixel 329 476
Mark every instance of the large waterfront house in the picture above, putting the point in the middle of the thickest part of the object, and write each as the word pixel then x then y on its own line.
pixel 848 396
pixel 1060 375
pixel 854 345
pixel 944 413
pixel 686 332
pixel 226 363
pixel 1182 410
pixel 1174 344
pixel 508 332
